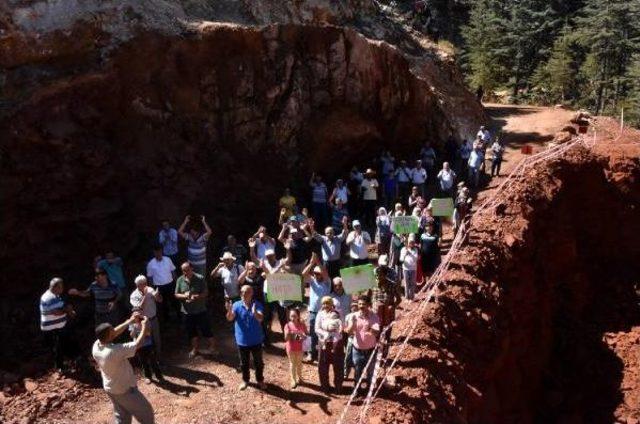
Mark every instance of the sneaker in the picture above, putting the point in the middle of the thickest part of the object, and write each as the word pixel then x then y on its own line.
pixel 243 385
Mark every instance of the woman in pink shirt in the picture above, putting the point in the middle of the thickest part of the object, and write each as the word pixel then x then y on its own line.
pixel 295 331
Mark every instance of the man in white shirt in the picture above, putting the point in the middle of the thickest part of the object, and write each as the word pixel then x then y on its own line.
pixel 358 241
pixel 446 178
pixel 403 176
pixel 419 177
pixel 161 274
pixel 145 297
pixel 369 188
pixel 118 378
pixel 229 272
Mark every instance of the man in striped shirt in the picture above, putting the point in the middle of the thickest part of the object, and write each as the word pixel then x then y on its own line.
pixel 196 243
pixel 106 296
pixel 53 323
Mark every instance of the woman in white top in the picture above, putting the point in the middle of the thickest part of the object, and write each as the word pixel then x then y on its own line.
pixel 409 258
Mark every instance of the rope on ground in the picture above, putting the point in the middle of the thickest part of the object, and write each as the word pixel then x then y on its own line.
pixel 432 284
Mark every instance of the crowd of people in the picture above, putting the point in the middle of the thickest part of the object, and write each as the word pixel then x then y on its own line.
pixel 341 329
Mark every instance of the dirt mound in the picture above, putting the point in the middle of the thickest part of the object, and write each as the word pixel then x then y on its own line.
pixel 538 318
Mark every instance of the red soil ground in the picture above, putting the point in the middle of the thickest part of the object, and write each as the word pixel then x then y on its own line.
pixel 437 378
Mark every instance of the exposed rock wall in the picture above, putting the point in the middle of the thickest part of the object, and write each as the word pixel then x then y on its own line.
pixel 114 117
pixel 518 332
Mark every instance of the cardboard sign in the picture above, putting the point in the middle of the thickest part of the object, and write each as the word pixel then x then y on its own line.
pixel 442 207
pixel 357 279
pixel 282 286
pixel 405 224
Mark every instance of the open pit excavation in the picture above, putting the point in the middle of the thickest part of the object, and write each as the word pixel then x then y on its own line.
pixel 115 115
pixel 537 318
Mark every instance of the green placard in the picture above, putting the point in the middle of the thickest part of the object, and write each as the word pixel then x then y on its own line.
pixel 442 207
pixel 357 279
pixel 282 286
pixel 405 224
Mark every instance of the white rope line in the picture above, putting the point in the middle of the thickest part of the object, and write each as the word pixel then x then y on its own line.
pixel 431 285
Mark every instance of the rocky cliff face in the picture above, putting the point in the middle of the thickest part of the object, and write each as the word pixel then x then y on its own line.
pixel 117 114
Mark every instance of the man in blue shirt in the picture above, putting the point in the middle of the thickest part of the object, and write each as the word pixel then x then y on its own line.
pixel 247 315
pixel 317 277
pixel 112 264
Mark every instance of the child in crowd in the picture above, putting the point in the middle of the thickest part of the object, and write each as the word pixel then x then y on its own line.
pixel 295 331
pixel 348 359
pixel 146 354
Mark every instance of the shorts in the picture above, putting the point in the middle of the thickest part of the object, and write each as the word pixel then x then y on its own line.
pixel 198 322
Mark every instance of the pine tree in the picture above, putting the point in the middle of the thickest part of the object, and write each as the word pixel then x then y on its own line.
pixel 557 76
pixel 610 30
pixel 632 100
pixel 485 44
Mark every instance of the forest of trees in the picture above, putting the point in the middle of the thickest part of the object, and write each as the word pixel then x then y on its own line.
pixel 583 53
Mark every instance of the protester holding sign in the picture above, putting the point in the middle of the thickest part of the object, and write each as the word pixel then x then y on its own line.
pixel 317 277
pixel 386 295
pixel 429 251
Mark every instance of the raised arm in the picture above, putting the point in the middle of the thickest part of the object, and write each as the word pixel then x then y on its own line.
pixel 183 226
pixel 282 237
pixel 207 229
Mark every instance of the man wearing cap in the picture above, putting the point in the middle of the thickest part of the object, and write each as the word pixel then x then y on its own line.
pixel 229 271
pixel 419 177
pixel 118 378
pixel 316 276
pixel 191 291
pixel 331 246
pixel 145 298
pixel 369 188
pixel 53 322
pixel 358 242
pixel 161 273
pixel 106 296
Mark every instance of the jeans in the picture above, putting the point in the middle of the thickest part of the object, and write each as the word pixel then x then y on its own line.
pixel 410 283
pixel 130 404
pixel 245 353
pixel 474 176
pixel 155 334
pixel 360 359
pixel 495 167
pixel 331 355
pixel 348 357
pixel 312 333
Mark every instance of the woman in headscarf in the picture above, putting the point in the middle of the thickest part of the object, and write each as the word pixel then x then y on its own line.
pixel 383 231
